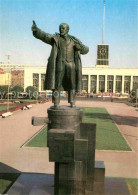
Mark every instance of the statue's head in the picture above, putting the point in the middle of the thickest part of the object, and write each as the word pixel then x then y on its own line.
pixel 63 29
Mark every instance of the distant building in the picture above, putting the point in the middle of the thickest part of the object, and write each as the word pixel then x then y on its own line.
pixel 5 77
pixel 93 79
pixel 17 77
pixel 96 79
pixel 12 74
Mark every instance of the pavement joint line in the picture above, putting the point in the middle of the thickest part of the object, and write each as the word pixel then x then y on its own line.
pixel 34 147
pixel 121 132
pixel 32 137
pixel 129 135
pixel 117 151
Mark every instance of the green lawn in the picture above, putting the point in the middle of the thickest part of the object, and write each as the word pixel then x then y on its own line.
pixel 132 186
pixel 26 100
pixel 108 137
pixel 4 108
pixel 6 180
pixel 40 140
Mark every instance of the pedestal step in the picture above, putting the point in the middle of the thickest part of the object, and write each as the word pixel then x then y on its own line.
pixel 43 184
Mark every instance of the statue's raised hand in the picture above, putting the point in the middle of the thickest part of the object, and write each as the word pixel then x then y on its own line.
pixel 34 26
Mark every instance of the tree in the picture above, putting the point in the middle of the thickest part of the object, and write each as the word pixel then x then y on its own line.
pixel 4 88
pixel 4 91
pixel 133 95
pixel 30 88
pixel 32 92
pixel 17 88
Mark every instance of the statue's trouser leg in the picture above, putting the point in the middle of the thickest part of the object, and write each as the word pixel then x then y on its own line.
pixel 58 84
pixel 71 76
pixel 55 97
pixel 72 97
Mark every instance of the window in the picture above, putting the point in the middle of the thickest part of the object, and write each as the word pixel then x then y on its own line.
pixel 93 83
pixel 135 82
pixel 110 80
pixel 42 82
pixel 85 82
pixel 118 84
pixel 102 83
pixel 36 80
pixel 127 80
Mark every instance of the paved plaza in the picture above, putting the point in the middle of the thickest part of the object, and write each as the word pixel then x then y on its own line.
pixel 17 129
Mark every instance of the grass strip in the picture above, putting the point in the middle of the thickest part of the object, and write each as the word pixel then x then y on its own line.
pixel 40 140
pixel 132 186
pixel 108 136
pixel 6 181
pixel 4 108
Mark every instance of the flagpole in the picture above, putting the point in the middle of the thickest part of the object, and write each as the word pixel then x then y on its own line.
pixel 103 21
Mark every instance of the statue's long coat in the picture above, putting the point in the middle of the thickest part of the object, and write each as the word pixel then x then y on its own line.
pixel 55 60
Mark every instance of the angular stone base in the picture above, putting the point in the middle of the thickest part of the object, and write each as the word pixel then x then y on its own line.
pixel 33 184
pixel 72 147
pixel 43 184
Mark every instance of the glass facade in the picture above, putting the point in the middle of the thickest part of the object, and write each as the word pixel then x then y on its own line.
pixel 118 84
pixel 127 80
pixel 135 82
pixel 42 81
pixel 110 80
pixel 101 83
pixel 122 84
pixel 93 83
pixel 85 83
pixel 36 80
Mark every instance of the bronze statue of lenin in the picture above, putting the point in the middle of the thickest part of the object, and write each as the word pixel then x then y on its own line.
pixel 64 68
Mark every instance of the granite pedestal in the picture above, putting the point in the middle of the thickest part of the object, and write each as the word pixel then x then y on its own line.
pixel 72 147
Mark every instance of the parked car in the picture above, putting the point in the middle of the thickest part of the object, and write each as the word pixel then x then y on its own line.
pixel 49 94
pixel 62 94
pixel 10 95
pixel 23 95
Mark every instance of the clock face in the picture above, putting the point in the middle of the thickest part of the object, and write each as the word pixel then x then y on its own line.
pixel 102 54
pixel 103 51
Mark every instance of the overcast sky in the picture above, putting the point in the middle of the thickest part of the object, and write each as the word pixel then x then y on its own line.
pixel 85 20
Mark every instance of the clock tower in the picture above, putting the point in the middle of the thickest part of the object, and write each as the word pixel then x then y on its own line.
pixel 103 49
pixel 102 55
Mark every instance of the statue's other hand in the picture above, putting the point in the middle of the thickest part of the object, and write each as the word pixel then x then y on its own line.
pixel 34 26
pixel 78 46
pixel 77 41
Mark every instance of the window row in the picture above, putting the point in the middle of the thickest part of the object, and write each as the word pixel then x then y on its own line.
pixel 101 84
pixel 110 82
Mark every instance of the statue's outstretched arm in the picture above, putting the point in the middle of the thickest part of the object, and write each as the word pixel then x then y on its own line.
pixel 39 34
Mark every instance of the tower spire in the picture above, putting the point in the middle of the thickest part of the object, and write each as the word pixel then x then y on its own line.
pixel 103 49
pixel 103 20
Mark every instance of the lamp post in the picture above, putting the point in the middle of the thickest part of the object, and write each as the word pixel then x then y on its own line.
pixel 8 57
